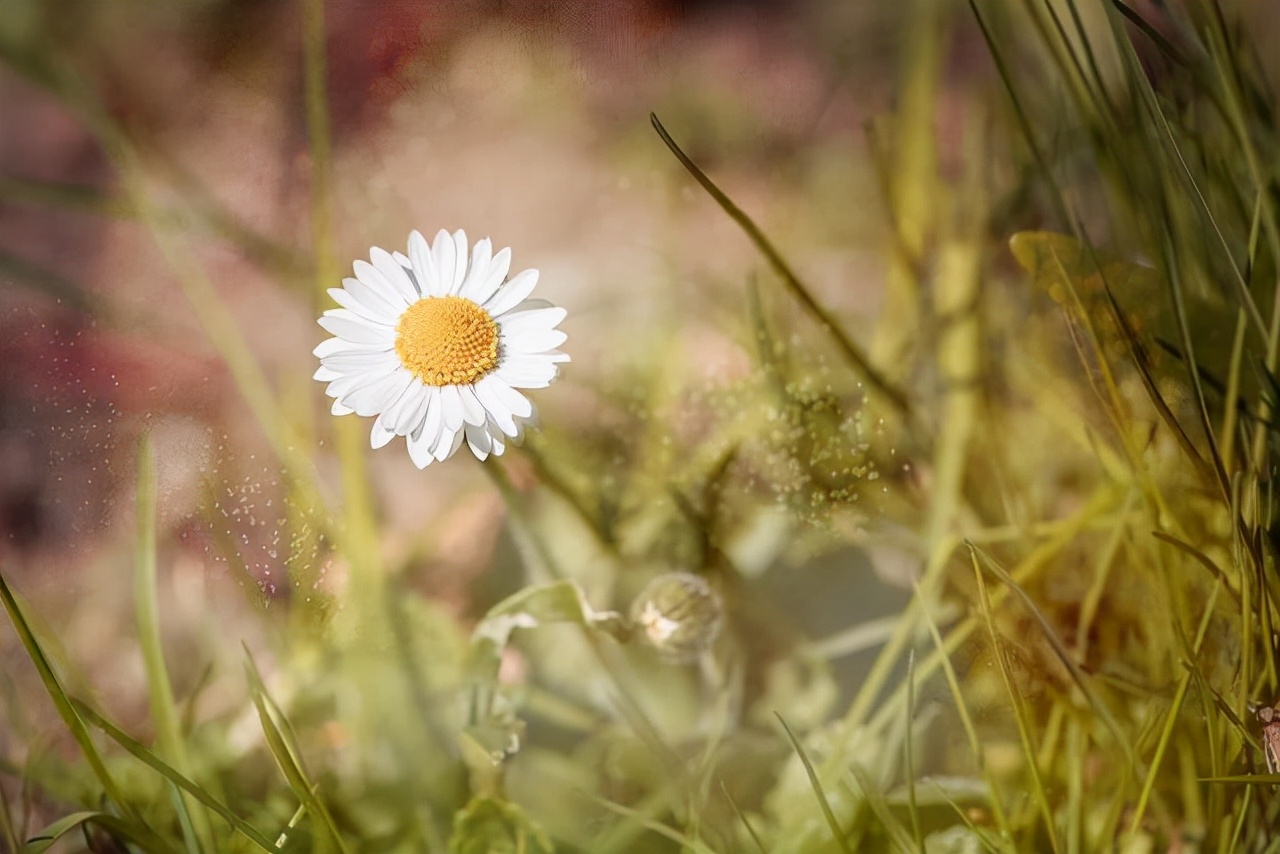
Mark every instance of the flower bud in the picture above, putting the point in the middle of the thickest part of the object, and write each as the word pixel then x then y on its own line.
pixel 678 614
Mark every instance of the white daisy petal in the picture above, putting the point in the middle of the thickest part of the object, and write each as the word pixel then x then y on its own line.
pixel 339 409
pixel 448 445
pixel 407 399
pixel 409 411
pixel 445 255
pixel 459 261
pixel 424 266
pixel 499 413
pixel 377 281
pixel 514 323
pixel 479 441
pixel 525 376
pixel 498 440
pixel 510 294
pixel 534 342
pixel 373 399
pixel 330 346
pixel 325 375
pixel 346 325
pixel 529 305
pixel 353 361
pixel 472 410
pixel 512 400
pixel 451 413
pixel 428 429
pixel 369 295
pixel 375 313
pixel 347 383
pixel 478 272
pixel 420 449
pixel 380 435
pixel 385 264
pixel 499 266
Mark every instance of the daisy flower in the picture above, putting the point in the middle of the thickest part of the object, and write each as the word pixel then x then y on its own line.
pixel 436 344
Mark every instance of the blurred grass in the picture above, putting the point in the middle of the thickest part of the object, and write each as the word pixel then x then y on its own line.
pixel 1075 458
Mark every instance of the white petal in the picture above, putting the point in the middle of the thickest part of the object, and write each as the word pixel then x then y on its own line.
pixel 531 304
pixel 472 410
pixel 380 435
pixel 407 399
pixel 375 313
pixel 478 272
pixel 325 375
pixel 514 401
pixel 451 413
pixel 526 375
pixel 348 383
pixel 494 276
pixel 420 450
pixel 370 295
pixel 351 362
pixel 377 281
pixel 499 413
pixel 423 439
pixel 424 266
pixel 395 274
pixel 376 397
pixel 510 294
pixel 414 410
pixel 346 325
pixel 460 260
pixel 407 413
pixel 478 439
pixel 499 441
pixel 339 409
pixel 534 342
pixel 330 346
pixel 448 445
pixel 450 252
pixel 513 323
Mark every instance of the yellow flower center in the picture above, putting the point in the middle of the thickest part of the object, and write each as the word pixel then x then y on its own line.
pixel 447 341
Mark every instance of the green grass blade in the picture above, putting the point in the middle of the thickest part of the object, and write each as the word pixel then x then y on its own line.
pixel 171 774
pixel 966 719
pixel 1018 704
pixel 851 351
pixel 836 832
pixel 164 711
pixel 63 702
pixel 901 838
pixel 119 828
pixel 908 757
pixel 284 748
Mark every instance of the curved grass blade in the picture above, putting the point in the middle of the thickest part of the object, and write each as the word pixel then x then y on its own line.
pixel 63 702
pixel 794 286
pixel 118 827
pixel 284 748
pixel 140 752
pixel 164 711
pixel 836 832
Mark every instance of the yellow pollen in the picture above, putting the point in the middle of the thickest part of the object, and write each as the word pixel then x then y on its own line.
pixel 447 341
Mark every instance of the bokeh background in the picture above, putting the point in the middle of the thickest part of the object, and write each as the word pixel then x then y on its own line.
pixel 524 121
